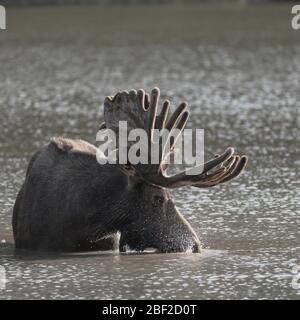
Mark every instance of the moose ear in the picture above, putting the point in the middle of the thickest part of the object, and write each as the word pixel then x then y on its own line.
pixel 102 126
pixel 128 169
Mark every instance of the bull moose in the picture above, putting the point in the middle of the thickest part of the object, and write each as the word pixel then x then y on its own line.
pixel 69 202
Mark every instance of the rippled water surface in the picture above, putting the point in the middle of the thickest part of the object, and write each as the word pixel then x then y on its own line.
pixel 240 70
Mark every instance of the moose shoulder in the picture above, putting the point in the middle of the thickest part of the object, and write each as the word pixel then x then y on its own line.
pixel 69 202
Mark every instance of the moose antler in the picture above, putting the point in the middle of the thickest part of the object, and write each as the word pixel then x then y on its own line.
pixel 139 110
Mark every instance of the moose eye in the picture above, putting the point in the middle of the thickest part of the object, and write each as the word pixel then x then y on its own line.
pixel 159 200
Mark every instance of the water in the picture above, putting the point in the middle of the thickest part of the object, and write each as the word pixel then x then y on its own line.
pixel 240 70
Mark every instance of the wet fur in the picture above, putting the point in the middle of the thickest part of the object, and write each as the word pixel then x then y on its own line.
pixel 69 202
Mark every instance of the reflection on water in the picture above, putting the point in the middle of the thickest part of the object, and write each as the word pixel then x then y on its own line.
pixel 243 92
pixel 212 274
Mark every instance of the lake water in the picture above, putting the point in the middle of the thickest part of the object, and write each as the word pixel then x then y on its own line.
pixel 238 67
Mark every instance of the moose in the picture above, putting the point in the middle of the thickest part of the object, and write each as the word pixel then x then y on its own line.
pixel 69 202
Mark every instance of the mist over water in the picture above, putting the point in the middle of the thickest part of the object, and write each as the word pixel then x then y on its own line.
pixel 239 70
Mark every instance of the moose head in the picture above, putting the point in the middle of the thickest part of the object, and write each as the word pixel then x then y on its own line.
pixel 158 223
